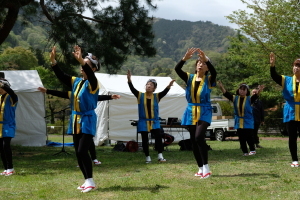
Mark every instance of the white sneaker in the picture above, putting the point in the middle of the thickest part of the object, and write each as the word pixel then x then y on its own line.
pixel 252 153
pixel 96 162
pixel 81 187
pixel 162 160
pixel 207 175
pixel 3 173
pixel 199 174
pixel 295 164
pixel 88 185
pixel 10 172
pixel 148 159
pixel 87 189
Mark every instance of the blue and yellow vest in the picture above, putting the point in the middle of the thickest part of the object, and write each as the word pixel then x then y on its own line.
pixel 198 108
pixel 7 117
pixel 291 109
pixel 83 102
pixel 145 122
pixel 243 118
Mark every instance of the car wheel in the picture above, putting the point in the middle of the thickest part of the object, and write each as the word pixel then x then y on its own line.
pixel 219 134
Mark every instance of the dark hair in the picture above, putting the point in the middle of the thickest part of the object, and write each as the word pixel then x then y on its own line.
pixel 243 86
pixel 199 60
pixel 297 62
pixel 152 81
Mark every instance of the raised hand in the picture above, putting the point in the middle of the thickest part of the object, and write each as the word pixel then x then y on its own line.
pixel 272 59
pixel 260 89
pixel 189 53
pixel 171 83
pixel 52 55
pixel 221 86
pixel 78 55
pixel 129 76
pixel 202 55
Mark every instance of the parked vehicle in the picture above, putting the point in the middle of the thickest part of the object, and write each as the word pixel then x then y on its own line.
pixel 221 126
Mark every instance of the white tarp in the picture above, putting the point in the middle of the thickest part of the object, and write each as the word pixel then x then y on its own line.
pixel 114 116
pixel 30 113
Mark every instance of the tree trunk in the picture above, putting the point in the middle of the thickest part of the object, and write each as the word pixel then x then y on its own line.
pixel 8 23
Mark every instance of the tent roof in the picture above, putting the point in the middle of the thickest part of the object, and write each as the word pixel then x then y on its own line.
pixel 118 84
pixel 23 80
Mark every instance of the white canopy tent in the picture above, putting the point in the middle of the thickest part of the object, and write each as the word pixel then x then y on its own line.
pixel 114 116
pixel 30 113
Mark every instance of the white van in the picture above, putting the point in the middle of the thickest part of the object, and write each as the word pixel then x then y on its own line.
pixel 221 126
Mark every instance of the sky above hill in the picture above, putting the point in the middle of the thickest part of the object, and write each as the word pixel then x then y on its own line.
pixel 193 10
pixel 198 10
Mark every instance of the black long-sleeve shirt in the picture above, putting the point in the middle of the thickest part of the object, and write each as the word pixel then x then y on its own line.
pixel 11 93
pixel 136 94
pixel 66 96
pixel 229 96
pixel 258 111
pixel 276 77
pixel 67 79
pixel 183 75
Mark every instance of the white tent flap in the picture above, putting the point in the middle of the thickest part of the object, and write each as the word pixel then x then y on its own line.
pixel 30 113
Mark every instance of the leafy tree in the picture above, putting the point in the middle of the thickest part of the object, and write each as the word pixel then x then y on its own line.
pixel 270 26
pixel 17 58
pixel 53 104
pixel 112 33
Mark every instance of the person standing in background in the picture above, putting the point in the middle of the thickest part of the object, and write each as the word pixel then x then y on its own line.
pixel 259 115
pixel 8 106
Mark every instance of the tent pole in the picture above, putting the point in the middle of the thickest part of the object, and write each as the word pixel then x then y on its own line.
pixel 63 129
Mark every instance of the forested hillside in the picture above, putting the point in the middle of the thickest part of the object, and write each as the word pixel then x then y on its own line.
pixel 172 38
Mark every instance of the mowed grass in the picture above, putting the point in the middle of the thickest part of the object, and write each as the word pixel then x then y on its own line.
pixel 123 175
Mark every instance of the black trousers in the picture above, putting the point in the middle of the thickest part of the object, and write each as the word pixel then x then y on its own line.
pixel 246 137
pixel 255 133
pixel 6 153
pixel 82 143
pixel 158 141
pixel 92 151
pixel 197 135
pixel 293 128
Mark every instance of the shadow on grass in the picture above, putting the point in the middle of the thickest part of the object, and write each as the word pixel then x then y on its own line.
pixel 43 157
pixel 262 175
pixel 153 189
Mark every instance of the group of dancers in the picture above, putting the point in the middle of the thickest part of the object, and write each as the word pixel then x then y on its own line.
pixel 197 115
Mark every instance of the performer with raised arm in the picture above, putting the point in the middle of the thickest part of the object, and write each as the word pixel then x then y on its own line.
pixel 149 115
pixel 9 101
pixel 291 110
pixel 65 95
pixel 243 116
pixel 198 114
pixel 83 97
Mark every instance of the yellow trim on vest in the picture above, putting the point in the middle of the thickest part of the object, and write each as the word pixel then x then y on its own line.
pixel 69 94
pixel 241 114
pixel 76 99
pixel 196 110
pixel 12 104
pixel 296 98
pixel 2 113
pixel 73 80
pixel 139 98
pixel 93 91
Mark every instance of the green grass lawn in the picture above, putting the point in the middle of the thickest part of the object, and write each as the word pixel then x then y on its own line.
pixel 124 175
